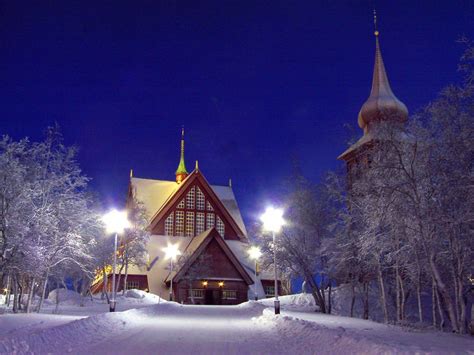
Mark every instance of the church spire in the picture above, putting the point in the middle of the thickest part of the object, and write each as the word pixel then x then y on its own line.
pixel 181 172
pixel 382 104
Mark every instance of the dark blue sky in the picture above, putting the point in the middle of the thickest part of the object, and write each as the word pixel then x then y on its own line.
pixel 255 83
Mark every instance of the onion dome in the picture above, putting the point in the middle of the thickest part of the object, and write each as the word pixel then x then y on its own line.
pixel 181 172
pixel 382 104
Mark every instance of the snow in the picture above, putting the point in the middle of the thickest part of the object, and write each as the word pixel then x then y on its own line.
pixel 249 328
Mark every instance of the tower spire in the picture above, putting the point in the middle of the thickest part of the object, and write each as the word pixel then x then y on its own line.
pixel 382 104
pixel 181 172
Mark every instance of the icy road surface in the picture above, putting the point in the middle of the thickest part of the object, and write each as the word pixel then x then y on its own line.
pixel 170 328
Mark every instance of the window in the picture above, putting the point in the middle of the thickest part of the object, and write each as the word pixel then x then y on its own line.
pixel 180 223
pixel 210 220
pixel 190 199
pixel 133 284
pixel 169 224
pixel 220 226
pixel 181 204
pixel 209 207
pixel 189 224
pixel 196 294
pixel 269 291
pixel 199 222
pixel 199 199
pixel 229 295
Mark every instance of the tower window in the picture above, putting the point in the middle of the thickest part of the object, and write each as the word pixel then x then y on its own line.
pixel 169 224
pixel 190 198
pixel 209 207
pixel 189 224
pixel 199 222
pixel 180 223
pixel 181 204
pixel 220 226
pixel 199 199
pixel 210 220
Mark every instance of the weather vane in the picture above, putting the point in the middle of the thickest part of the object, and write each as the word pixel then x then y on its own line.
pixel 376 32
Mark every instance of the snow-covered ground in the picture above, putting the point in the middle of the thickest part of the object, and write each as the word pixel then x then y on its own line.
pixel 250 328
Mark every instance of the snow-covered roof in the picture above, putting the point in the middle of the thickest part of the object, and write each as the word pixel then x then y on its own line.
pixel 155 193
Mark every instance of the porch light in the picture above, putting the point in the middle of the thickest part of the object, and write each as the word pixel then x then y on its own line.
pixel 204 283
pixel 221 283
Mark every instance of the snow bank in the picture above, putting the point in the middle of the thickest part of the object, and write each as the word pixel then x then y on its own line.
pixel 65 296
pixel 303 302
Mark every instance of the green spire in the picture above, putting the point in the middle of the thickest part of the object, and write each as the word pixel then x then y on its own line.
pixel 182 166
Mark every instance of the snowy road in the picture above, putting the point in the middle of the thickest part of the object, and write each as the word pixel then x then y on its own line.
pixel 169 328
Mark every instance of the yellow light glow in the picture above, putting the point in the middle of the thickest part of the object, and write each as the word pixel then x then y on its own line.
pixel 254 252
pixel 116 221
pixel 205 283
pixel 171 251
pixel 272 219
pixel 221 283
pixel 5 290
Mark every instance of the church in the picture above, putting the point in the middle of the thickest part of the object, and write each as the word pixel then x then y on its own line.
pixel 203 223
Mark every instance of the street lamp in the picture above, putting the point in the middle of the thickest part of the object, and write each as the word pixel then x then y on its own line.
pixel 273 221
pixel 255 253
pixel 171 252
pixel 115 222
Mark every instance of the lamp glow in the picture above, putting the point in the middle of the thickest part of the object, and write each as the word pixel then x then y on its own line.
pixel 116 221
pixel 171 251
pixel 221 283
pixel 254 253
pixel 273 219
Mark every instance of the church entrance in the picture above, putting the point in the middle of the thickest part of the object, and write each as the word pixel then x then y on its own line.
pixel 212 296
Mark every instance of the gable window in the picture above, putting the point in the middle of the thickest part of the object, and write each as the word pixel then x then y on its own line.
pixel 190 199
pixel 209 207
pixel 210 221
pixel 199 222
pixel 189 224
pixel 169 224
pixel 181 204
pixel 199 199
pixel 180 223
pixel 220 226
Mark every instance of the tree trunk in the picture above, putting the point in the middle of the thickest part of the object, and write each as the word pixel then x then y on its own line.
pixel 444 294
pixel 43 292
pixel 440 310
pixel 315 291
pixel 30 295
pixel 125 277
pixel 433 302
pixel 383 299
pixel 365 286
pixel 15 295
pixel 402 297
pixel 352 299
pixel 7 299
pixel 330 298
pixel 105 285
pixel 397 294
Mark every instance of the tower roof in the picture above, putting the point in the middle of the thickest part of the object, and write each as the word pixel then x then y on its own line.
pixel 181 171
pixel 382 104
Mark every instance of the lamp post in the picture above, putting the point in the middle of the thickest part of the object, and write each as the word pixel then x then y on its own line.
pixel 171 252
pixel 273 221
pixel 115 222
pixel 255 253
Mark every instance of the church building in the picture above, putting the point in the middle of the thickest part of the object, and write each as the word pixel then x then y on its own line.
pixel 203 222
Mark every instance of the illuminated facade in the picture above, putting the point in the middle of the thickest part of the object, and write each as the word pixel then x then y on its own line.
pixel 204 222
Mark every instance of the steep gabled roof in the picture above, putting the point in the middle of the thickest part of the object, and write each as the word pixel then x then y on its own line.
pixel 159 196
pixel 197 246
